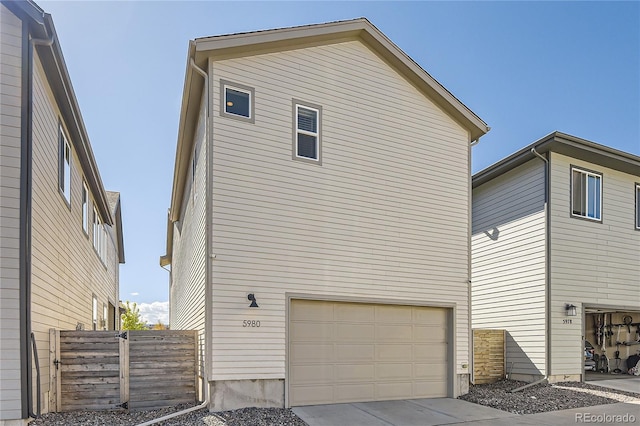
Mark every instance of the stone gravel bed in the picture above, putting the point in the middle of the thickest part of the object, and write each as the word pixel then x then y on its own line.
pixel 536 399
pixel 542 398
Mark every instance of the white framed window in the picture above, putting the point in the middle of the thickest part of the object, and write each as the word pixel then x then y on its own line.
pixel 306 135
pixel 94 312
pixel 638 206
pixel 85 208
pixel 237 101
pixel 105 314
pixel 64 166
pixel 586 194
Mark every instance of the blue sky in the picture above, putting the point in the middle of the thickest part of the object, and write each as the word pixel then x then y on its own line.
pixel 526 68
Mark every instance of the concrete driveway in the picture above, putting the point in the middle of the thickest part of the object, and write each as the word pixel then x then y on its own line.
pixel 446 411
pixel 628 383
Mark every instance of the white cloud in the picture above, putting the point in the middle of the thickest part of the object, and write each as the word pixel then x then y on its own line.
pixel 152 312
pixel 135 294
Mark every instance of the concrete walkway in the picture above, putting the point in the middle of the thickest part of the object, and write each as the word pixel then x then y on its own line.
pixel 447 411
pixel 628 383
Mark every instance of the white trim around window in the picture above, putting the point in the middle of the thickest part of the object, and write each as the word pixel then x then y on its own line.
pixel 586 194
pixel 64 166
pixel 638 206
pixel 85 208
pixel 307 132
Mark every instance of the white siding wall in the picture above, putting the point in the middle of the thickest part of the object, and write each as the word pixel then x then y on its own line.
pixel 66 270
pixel 187 288
pixel 508 263
pixel 592 263
pixel 10 116
pixel 385 216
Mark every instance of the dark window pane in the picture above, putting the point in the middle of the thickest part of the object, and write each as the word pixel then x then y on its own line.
pixel 579 193
pixel 237 103
pixel 307 120
pixel 307 146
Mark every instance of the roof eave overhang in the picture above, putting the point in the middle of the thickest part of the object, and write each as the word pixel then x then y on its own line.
pixel 568 145
pixel 41 27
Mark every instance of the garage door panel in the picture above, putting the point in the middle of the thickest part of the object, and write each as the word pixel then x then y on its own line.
pixel 400 332
pixel 366 352
pixel 310 331
pixel 316 394
pixel 430 389
pixel 355 332
pixel 437 317
pixel 393 314
pixel 312 352
pixel 355 392
pixel 354 372
pixel 434 371
pixel 316 374
pixel 431 334
pixel 395 371
pixel 430 353
pixel 311 310
pixel 354 312
pixel 394 390
pixel 348 352
pixel 393 352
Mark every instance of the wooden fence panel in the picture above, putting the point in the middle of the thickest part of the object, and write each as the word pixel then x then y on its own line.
pixel 139 370
pixel 488 356
pixel 162 366
pixel 89 370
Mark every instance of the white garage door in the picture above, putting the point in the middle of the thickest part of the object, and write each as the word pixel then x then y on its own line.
pixel 348 352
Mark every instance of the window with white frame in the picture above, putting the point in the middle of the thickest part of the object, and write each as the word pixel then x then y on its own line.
pixel 64 166
pixel 586 194
pixel 638 206
pixel 237 101
pixel 96 229
pixel 105 313
pixel 85 208
pixel 94 312
pixel 306 143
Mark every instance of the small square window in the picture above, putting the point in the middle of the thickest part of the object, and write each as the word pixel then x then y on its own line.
pixel 237 101
pixel 306 138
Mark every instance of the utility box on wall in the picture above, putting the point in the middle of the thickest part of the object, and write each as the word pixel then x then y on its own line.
pixel 488 356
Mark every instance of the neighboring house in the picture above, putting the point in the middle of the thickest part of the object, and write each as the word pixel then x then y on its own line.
pixel 556 248
pixel 319 229
pixel 60 232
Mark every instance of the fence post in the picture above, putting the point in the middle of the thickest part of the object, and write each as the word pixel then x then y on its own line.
pixel 54 376
pixel 124 368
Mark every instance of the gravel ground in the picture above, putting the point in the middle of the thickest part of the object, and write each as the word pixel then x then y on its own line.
pixel 544 397
pixel 536 399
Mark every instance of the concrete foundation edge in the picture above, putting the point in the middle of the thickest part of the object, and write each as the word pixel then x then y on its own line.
pixel 235 394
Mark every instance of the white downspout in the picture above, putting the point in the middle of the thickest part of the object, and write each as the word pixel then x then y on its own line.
pixel 205 403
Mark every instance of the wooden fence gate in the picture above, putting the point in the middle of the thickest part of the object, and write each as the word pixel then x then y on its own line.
pixel 131 370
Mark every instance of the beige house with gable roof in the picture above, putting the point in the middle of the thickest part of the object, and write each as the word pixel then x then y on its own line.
pixel 60 232
pixel 556 251
pixel 319 227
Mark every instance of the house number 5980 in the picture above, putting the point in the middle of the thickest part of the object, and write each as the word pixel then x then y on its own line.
pixel 250 323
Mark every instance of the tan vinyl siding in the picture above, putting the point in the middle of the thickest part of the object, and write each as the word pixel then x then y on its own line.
pixel 385 216
pixel 10 128
pixel 508 263
pixel 592 263
pixel 66 269
pixel 187 289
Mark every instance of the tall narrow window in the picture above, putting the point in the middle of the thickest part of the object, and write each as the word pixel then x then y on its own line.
pixel 307 132
pixel 105 314
pixel 85 208
pixel 94 312
pixel 96 229
pixel 586 194
pixel 64 167
pixel 637 205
